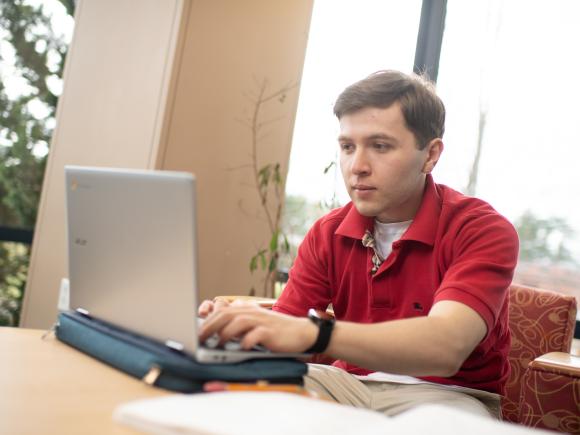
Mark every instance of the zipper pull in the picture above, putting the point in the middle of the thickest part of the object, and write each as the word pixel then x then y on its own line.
pixel 152 375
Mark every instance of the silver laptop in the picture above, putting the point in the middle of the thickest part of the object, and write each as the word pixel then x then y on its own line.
pixel 133 256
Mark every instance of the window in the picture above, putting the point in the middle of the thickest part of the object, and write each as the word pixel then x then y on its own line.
pixel 508 78
pixel 34 37
pixel 348 40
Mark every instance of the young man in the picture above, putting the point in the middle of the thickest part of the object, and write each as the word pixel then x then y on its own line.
pixel 417 273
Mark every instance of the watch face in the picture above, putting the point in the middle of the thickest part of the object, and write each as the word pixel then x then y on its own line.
pixel 320 315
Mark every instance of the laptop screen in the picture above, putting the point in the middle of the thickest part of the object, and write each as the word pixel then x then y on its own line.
pixel 132 250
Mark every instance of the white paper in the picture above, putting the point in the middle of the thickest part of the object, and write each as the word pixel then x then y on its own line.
pixel 257 413
pixel 390 377
pixel 252 413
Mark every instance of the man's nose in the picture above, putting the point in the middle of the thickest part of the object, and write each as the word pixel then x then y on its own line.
pixel 360 163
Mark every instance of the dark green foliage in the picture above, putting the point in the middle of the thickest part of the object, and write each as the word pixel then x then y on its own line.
pixel 13 270
pixel 39 55
pixel 544 240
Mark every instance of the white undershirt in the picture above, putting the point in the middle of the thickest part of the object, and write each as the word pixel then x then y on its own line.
pixel 386 234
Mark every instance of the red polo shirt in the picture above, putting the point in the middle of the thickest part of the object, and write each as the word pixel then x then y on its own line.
pixel 457 248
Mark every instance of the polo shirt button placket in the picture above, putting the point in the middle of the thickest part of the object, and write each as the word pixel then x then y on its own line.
pixel 377 268
pixel 384 296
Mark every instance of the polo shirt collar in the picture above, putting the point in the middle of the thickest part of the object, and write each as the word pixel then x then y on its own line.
pixel 422 229
pixel 354 224
pixel 424 226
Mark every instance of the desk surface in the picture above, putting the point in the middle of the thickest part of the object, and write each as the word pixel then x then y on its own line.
pixel 47 387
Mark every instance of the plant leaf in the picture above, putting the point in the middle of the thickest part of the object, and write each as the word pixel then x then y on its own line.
pixel 264 175
pixel 273 263
pixel 254 263
pixel 274 241
pixel 329 166
pixel 276 177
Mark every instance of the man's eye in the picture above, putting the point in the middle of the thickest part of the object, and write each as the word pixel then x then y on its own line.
pixel 382 146
pixel 346 146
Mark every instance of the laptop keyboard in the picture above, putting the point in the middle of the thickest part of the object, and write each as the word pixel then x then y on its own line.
pixel 213 342
pixel 232 345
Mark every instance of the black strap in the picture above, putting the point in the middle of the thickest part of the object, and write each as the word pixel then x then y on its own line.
pixel 323 339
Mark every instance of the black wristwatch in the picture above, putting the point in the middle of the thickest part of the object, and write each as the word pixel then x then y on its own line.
pixel 325 325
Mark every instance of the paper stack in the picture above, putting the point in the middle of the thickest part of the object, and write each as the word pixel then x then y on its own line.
pixel 259 413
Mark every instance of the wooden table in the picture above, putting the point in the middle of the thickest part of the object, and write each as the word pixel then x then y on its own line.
pixel 47 387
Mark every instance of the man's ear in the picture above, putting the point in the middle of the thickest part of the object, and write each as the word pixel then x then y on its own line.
pixel 434 149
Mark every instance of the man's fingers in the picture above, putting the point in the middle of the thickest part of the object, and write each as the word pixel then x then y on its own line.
pixel 219 318
pixel 254 337
pixel 215 323
pixel 205 308
pixel 208 307
pixel 242 303
pixel 218 304
pixel 239 326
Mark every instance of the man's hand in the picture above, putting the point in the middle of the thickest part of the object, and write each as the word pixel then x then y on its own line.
pixel 207 307
pixel 254 325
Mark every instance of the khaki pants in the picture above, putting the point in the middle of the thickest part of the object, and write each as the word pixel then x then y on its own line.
pixel 393 398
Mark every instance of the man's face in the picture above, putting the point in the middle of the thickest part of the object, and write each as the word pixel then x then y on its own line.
pixel 382 167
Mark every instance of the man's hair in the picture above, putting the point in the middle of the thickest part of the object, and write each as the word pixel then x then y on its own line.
pixel 423 110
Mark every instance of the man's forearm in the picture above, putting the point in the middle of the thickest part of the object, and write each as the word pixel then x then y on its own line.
pixel 422 346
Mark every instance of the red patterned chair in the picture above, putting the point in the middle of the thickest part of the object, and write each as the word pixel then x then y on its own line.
pixel 544 386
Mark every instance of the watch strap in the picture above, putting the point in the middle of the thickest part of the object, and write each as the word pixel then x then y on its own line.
pixel 325 328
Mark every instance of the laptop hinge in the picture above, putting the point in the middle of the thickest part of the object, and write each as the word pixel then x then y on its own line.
pixel 83 312
pixel 174 345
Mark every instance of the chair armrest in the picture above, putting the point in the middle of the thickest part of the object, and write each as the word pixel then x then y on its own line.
pixel 559 363
pixel 549 395
pixel 263 302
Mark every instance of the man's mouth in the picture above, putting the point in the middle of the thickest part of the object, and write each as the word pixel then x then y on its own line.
pixel 362 187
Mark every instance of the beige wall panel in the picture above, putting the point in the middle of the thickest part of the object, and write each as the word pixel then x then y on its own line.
pixel 229 47
pixel 110 114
